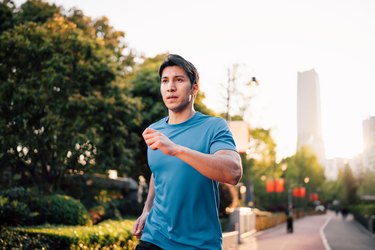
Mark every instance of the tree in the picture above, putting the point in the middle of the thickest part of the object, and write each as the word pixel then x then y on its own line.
pixel 305 164
pixel 60 109
pixel 6 15
pixel 258 164
pixel 36 11
pixel 366 183
pixel 304 170
pixel 347 186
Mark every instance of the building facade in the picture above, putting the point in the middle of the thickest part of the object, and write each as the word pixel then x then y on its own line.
pixel 309 131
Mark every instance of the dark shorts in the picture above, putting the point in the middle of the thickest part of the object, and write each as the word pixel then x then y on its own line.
pixel 144 245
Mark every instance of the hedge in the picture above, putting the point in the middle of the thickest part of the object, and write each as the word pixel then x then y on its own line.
pixel 106 235
pixel 365 210
pixel 19 207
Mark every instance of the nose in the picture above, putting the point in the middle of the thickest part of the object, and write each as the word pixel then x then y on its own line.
pixel 171 86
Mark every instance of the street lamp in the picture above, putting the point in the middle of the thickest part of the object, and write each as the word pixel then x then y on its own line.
pixel 253 82
pixel 306 180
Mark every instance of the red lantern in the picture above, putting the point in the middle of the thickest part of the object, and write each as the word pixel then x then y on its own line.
pixel 280 185
pixel 270 186
pixel 295 192
pixel 299 192
pixel 302 192
pixel 313 197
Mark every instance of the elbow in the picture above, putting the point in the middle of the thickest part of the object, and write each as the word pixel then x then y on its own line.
pixel 236 175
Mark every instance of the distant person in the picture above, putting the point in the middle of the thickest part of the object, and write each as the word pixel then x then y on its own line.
pixel 344 212
pixel 188 154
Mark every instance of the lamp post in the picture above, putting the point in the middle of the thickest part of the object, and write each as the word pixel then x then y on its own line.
pixel 289 209
pixel 306 181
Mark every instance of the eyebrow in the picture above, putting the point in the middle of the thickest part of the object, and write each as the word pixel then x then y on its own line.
pixel 174 76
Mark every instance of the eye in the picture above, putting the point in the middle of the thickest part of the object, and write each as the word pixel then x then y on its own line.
pixel 180 80
pixel 164 81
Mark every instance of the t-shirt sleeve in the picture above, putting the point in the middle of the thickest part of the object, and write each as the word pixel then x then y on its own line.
pixel 222 138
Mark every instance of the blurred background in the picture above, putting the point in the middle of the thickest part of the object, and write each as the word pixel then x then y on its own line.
pixel 79 84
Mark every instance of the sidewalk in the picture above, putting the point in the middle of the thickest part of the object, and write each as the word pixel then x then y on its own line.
pixel 347 234
pixel 319 232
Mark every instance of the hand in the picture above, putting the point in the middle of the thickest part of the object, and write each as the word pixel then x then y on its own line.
pixel 139 225
pixel 157 140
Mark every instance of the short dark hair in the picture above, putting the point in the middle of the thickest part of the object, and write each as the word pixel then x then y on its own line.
pixel 188 67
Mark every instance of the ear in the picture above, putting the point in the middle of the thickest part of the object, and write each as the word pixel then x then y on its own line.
pixel 195 89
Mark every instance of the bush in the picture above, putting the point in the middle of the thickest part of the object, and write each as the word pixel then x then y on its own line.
pixel 365 210
pixel 14 207
pixel 14 212
pixel 61 209
pixel 106 235
pixel 16 193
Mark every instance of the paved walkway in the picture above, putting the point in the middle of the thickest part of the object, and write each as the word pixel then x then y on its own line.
pixel 319 232
pixel 347 234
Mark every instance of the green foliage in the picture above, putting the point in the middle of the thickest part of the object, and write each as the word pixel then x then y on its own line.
pixel 72 99
pixel 145 84
pixel 106 235
pixel 14 207
pixel 108 206
pixel 329 191
pixel 259 163
pixel 6 15
pixel 13 212
pixel 61 209
pixel 59 104
pixel 305 164
pixel 365 210
pixel 347 186
pixel 366 183
pixel 16 193
pixel 261 158
pixel 36 11
pixel 19 206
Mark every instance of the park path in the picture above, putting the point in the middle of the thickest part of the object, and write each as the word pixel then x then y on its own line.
pixel 317 232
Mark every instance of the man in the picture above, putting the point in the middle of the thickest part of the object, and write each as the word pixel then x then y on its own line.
pixel 188 154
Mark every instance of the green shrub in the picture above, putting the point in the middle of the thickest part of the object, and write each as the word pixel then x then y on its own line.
pixel 61 209
pixel 363 209
pixel 16 193
pixel 106 235
pixel 14 212
pixel 17 239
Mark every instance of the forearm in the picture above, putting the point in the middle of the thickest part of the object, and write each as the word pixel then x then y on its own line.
pixel 223 166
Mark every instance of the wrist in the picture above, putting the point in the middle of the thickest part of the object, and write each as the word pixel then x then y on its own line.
pixel 179 151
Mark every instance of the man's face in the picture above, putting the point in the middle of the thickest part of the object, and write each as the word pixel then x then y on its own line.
pixel 176 89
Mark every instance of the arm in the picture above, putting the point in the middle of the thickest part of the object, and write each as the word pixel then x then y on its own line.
pixel 140 222
pixel 223 166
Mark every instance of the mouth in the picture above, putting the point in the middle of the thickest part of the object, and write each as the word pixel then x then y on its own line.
pixel 171 97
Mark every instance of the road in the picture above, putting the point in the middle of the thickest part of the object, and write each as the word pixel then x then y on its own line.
pixel 318 232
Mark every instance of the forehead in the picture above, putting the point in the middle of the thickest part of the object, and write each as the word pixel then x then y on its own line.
pixel 173 71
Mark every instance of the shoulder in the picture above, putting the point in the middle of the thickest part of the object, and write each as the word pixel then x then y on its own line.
pixel 159 124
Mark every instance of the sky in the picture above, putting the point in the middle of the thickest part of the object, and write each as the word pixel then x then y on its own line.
pixel 271 40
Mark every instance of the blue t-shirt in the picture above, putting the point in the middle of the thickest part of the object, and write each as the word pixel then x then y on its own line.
pixel 184 214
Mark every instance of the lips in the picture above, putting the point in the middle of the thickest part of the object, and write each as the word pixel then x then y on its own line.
pixel 171 97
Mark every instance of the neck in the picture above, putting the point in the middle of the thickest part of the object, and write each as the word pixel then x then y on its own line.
pixel 179 117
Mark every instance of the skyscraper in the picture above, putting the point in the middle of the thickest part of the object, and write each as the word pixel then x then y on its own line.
pixel 309 114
